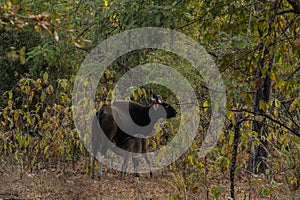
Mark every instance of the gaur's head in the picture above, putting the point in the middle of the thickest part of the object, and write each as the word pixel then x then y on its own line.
pixel 157 99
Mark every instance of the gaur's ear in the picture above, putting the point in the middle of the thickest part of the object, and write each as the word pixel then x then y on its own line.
pixel 156 99
pixel 159 99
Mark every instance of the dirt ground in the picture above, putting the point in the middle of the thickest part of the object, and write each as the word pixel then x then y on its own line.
pixel 53 183
pixel 75 183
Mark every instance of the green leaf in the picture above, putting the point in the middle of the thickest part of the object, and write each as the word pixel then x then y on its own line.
pixel 153 144
pixel 275 112
pixel 217 190
pixel 45 150
pixel 277 103
pixel 10 95
pixel 263 105
pixel 175 197
pixel 45 78
pixel 23 55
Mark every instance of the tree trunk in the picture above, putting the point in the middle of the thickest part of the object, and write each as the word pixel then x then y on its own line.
pixel 263 89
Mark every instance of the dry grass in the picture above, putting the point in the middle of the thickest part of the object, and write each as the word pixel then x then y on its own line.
pixel 53 183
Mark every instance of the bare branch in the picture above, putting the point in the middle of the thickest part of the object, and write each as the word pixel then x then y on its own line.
pixel 292 74
pixel 286 11
pixel 270 118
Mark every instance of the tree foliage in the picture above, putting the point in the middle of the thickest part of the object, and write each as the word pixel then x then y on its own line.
pixel 255 44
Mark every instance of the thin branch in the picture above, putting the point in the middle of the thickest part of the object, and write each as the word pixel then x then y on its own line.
pixel 284 31
pixel 201 17
pixel 286 11
pixel 290 116
pixel 76 9
pixel 292 74
pixel 178 2
pixel 270 118
pixel 86 29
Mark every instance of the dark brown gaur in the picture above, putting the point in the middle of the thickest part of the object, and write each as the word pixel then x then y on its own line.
pixel 139 114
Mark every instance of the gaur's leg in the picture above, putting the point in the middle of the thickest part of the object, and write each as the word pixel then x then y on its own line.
pixel 99 170
pixel 92 167
pixel 124 166
pixel 144 151
pixel 135 165
pixel 149 164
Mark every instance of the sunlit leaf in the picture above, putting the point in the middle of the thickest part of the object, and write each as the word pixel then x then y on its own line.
pixel 190 159
pixel 153 143
pixel 263 105
pixel 272 76
pixel 23 55
pixel 50 89
pixel 277 103
pixel 45 78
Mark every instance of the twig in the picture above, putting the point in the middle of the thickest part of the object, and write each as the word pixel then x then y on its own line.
pixel 76 9
pixel 292 74
pixel 201 17
pixel 286 11
pixel 270 118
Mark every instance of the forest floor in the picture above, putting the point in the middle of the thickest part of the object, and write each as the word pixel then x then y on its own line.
pixel 76 183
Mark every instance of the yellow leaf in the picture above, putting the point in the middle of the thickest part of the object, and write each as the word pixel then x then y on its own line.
pixel 27 90
pixel 246 157
pixel 31 96
pixel 10 95
pixel 263 105
pixel 85 82
pixel 275 112
pixel 16 115
pixel 135 96
pixel 205 105
pixel 244 95
pixel 37 28
pixel 248 98
pixel 50 89
pixel 106 3
pixel 28 118
pixel 190 158
pixel 37 84
pixel 230 115
pixel 272 76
